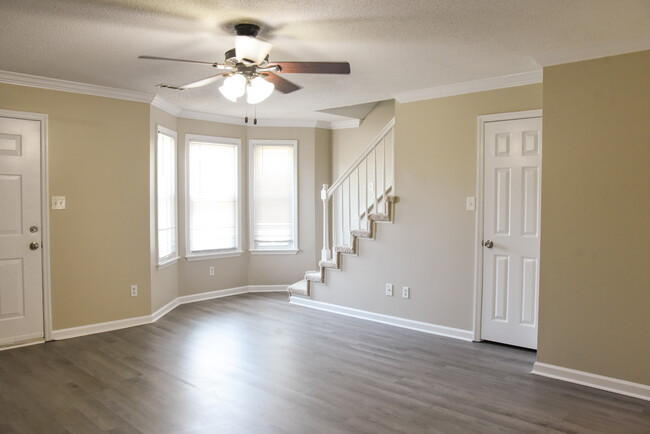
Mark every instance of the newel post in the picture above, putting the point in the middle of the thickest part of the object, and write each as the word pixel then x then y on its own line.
pixel 325 254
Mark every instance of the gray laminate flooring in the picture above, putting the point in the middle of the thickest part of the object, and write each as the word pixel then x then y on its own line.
pixel 255 364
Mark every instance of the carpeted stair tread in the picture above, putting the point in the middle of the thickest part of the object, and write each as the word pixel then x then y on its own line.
pixel 379 217
pixel 344 249
pixel 299 288
pixel 361 233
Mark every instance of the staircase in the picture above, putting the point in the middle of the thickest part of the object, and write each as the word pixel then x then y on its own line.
pixel 353 206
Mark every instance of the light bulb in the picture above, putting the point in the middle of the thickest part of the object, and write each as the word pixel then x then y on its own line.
pixel 251 49
pixel 233 87
pixel 258 90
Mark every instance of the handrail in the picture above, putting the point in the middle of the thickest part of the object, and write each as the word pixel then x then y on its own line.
pixel 346 212
pixel 378 138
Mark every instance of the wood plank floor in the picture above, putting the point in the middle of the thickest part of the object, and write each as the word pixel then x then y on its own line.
pixel 255 364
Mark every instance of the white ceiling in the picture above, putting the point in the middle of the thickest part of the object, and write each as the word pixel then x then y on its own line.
pixel 393 46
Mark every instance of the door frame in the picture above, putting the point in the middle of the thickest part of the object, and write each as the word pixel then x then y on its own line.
pixel 480 169
pixel 45 215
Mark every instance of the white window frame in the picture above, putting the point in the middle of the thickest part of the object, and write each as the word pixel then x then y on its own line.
pixel 174 257
pixel 251 197
pixel 225 253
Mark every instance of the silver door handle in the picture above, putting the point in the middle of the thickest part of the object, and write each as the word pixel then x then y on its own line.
pixel 489 244
pixel 33 245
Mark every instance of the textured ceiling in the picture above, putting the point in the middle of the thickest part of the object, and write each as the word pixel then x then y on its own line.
pixel 393 46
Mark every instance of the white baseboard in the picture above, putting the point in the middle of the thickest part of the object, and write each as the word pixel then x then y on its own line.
pixel 91 329
pixel 465 335
pixel 623 387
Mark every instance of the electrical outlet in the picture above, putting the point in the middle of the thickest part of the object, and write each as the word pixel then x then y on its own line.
pixel 211 271
pixel 134 290
pixel 389 289
pixel 406 292
pixel 58 202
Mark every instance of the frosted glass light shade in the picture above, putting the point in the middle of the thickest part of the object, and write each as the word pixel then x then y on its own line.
pixel 258 90
pixel 251 49
pixel 233 87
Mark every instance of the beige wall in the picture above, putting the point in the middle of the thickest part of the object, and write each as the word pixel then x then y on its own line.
pixel 232 272
pixel 99 160
pixel 287 269
pixel 430 248
pixel 164 281
pixel 348 143
pixel 595 279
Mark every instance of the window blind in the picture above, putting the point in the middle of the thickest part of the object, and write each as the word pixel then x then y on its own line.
pixel 273 225
pixel 166 196
pixel 212 196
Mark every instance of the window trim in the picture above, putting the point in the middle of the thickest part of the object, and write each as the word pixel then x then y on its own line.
pixel 174 256
pixel 251 197
pixel 219 253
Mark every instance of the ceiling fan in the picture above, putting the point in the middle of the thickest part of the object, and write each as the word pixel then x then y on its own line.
pixel 248 69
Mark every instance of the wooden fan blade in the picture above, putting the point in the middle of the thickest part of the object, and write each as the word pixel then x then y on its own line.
pixel 215 64
pixel 312 67
pixel 284 86
pixel 203 81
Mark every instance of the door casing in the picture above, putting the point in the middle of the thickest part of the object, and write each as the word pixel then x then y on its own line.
pixel 45 215
pixel 478 244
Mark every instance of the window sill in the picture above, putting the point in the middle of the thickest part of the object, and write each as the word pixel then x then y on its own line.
pixel 274 252
pixel 168 262
pixel 191 257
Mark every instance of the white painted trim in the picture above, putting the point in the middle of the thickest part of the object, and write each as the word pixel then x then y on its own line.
pixel 166 106
pixel 274 252
pixel 623 387
pixel 45 214
pixel 379 137
pixel 340 125
pixel 481 85
pixel 478 228
pixel 108 326
pixel 157 101
pixel 165 310
pixel 174 256
pixel 73 86
pixel 102 327
pixel 213 255
pixel 167 262
pixel 465 335
pixel 240 199
pixel 251 193
pixel 24 344
pixel 233 120
pixel 577 54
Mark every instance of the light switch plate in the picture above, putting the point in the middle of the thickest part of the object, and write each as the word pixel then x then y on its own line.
pixel 470 203
pixel 58 202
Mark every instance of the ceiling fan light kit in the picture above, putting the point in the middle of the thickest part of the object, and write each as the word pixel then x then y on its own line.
pixel 248 70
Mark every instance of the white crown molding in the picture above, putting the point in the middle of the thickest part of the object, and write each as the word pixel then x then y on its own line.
pixel 72 86
pixel 623 387
pixel 481 85
pixel 578 54
pixel 340 125
pixel 90 329
pixel 157 101
pixel 166 106
pixel 435 329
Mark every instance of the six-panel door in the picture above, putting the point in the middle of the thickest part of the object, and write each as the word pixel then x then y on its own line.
pixel 512 184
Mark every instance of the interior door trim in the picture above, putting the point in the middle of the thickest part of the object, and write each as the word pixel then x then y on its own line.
pixel 45 215
pixel 478 240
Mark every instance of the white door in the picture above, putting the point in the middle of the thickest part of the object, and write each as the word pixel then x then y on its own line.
pixel 511 222
pixel 21 273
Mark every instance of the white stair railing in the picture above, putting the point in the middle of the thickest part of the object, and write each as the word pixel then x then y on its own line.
pixel 360 191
